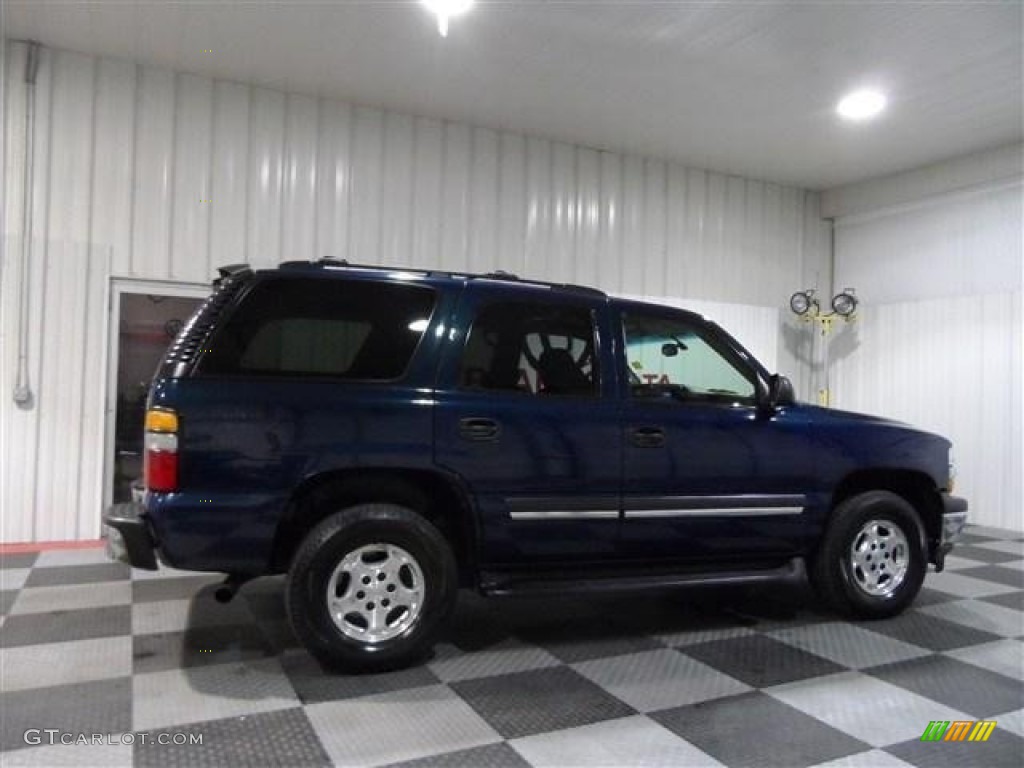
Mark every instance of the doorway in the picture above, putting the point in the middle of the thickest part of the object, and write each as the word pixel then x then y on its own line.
pixel 147 319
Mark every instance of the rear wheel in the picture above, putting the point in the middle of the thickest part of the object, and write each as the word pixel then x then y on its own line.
pixel 370 586
pixel 871 562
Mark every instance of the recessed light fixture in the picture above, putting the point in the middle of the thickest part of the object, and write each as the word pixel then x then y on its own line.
pixel 446 9
pixel 861 105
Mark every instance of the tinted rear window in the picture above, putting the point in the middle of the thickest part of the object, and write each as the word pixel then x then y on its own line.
pixel 351 329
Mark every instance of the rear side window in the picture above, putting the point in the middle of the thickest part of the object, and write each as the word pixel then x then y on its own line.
pixel 350 329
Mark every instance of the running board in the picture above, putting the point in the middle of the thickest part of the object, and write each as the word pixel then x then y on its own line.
pixel 504 584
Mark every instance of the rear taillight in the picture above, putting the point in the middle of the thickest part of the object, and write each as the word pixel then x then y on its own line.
pixel 161 443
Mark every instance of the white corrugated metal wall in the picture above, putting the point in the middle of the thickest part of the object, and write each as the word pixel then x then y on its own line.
pixel 939 340
pixel 161 175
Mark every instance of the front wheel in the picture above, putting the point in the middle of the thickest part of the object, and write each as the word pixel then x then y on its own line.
pixel 370 586
pixel 871 562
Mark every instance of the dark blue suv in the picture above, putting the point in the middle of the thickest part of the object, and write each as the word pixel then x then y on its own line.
pixel 386 436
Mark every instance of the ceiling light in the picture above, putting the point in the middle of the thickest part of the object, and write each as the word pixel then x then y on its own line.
pixel 861 105
pixel 447 9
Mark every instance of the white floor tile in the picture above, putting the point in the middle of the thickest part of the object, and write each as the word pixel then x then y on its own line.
pixel 1009 547
pixel 864 707
pixel 875 758
pixel 189 695
pixel 1012 721
pixel 659 679
pixel 630 741
pixel 954 563
pixel 692 637
pixel 848 645
pixel 164 572
pixel 502 659
pixel 178 615
pixel 977 614
pixel 953 583
pixel 71 756
pixel 13 578
pixel 994 533
pixel 1005 657
pixel 40 666
pixel 399 726
pixel 61 557
pixel 72 597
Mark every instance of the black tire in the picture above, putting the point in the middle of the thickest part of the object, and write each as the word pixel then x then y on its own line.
pixel 323 551
pixel 845 585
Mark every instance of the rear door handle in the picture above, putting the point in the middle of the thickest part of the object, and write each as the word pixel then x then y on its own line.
pixel 479 429
pixel 648 437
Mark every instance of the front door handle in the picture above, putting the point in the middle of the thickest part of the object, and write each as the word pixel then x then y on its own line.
pixel 648 437
pixel 479 429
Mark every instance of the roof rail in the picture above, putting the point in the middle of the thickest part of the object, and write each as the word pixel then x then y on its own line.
pixel 567 287
pixel 497 274
pixel 501 274
pixel 585 289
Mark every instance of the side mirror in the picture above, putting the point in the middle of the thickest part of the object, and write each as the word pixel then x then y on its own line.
pixel 780 391
pixel 669 350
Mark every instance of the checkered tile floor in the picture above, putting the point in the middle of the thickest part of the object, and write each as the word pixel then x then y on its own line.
pixel 707 678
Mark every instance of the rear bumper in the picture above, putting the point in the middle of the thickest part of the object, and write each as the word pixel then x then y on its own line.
pixel 129 539
pixel 954 520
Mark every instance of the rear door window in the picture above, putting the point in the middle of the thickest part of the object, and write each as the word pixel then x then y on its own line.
pixel 532 348
pixel 349 329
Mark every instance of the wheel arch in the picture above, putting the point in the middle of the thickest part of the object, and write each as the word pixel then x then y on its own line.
pixel 916 487
pixel 438 497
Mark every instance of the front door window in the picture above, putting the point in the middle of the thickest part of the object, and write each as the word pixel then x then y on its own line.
pixel 668 357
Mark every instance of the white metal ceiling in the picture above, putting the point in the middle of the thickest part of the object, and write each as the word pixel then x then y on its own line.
pixel 746 88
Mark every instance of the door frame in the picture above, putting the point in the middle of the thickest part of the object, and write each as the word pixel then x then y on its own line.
pixel 117 287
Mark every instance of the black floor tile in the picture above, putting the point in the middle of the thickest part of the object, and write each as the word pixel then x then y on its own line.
pixel 104 706
pixel 267 606
pixel 586 639
pixel 279 634
pixel 532 702
pixel 283 738
pixel 932 597
pixel 1002 750
pixel 18 560
pixel 184 588
pixel 754 729
pixel 972 538
pixel 984 555
pixel 1011 577
pixel 313 683
pixel 929 632
pixel 499 755
pixel 197 646
pixel 478 623
pixel 1013 600
pixel 204 610
pixel 63 626
pixel 965 687
pixel 760 661
pixel 78 574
